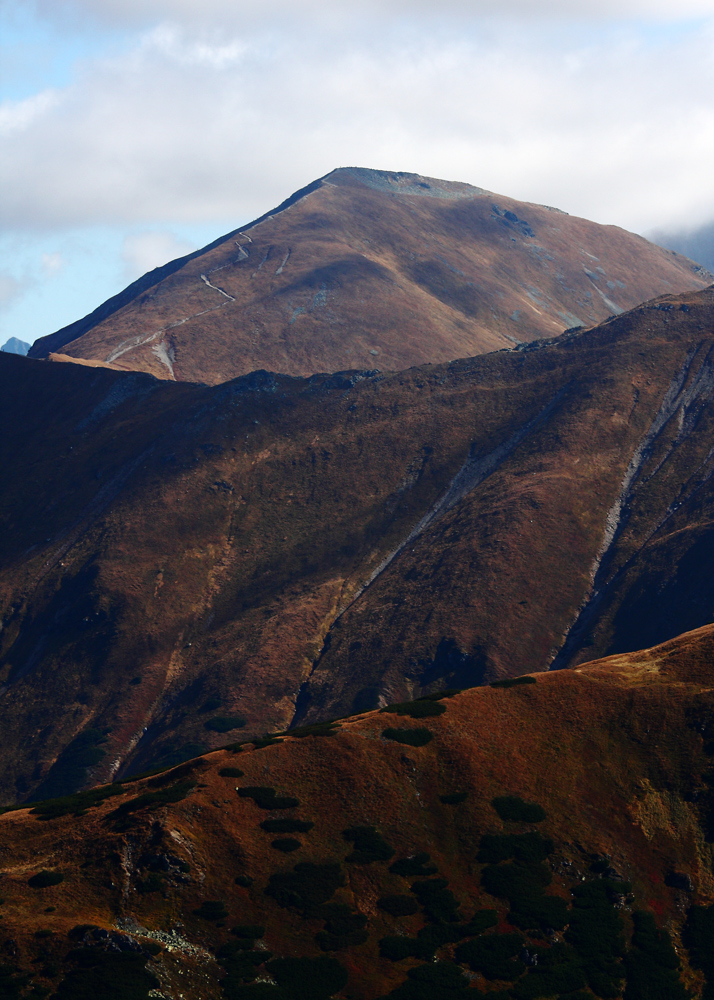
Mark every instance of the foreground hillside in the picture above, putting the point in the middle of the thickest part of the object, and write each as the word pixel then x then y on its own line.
pixel 372 269
pixel 544 838
pixel 345 541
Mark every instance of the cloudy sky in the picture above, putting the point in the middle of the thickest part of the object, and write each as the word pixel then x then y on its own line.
pixel 133 131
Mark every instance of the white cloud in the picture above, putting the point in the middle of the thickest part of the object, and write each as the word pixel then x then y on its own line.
pixel 52 264
pixel 15 116
pixel 143 252
pixel 191 127
pixel 221 112
pixel 239 13
pixel 10 289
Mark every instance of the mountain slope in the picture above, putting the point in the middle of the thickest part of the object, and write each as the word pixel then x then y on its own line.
pixel 367 268
pixel 178 882
pixel 182 561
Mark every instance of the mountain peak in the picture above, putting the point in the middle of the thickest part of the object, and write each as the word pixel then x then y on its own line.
pixel 403 183
pixel 369 268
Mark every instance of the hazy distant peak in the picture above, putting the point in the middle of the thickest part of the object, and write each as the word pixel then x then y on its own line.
pixel 15 346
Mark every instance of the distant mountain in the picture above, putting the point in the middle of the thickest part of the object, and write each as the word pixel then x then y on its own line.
pixel 372 269
pixel 697 243
pixel 551 839
pixel 181 561
pixel 15 346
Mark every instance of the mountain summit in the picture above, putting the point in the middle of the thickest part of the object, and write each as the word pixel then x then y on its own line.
pixel 373 269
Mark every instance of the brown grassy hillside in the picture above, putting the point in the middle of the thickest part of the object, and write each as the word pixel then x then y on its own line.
pixel 616 753
pixel 180 562
pixel 372 269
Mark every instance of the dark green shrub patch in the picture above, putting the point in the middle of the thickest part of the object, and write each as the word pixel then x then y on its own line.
pixel 286 844
pixel 438 695
pixel 410 737
pixel 510 682
pixel 152 883
pixel 435 936
pixel 540 913
pixel 109 975
pixel 162 796
pixel 267 798
pixel 236 990
pixel 398 906
pixel 652 966
pixel 177 773
pixel 415 867
pixel 308 978
pixel 240 965
pixel 512 881
pixel 397 948
pixel 416 709
pixel 558 972
pixel 212 704
pixel 45 879
pixel 244 880
pixel 526 847
pixel 596 932
pixel 454 799
pixel 513 809
pixel 698 936
pixel 423 946
pixel 76 804
pixel 153 947
pixel 369 845
pixel 480 922
pixel 495 956
pixel 79 930
pixel 212 909
pixel 343 927
pixel 522 885
pixel 248 931
pixel 266 741
pixel 434 981
pixel 286 825
pixel 319 729
pixel 440 904
pixel 12 983
pixel 225 723
pixel 243 944
pixel 231 772
pixel 306 886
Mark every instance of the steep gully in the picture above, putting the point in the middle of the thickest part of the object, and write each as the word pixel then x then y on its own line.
pixel 678 397
pixel 475 470
pixel 163 352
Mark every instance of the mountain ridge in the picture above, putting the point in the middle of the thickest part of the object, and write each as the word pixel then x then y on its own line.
pixel 475 496
pixel 363 265
pixel 402 863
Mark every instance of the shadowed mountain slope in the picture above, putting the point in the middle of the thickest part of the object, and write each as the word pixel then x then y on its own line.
pixel 568 818
pixel 182 561
pixel 367 268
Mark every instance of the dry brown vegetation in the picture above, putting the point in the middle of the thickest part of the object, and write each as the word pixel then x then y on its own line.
pixel 181 562
pixel 616 753
pixel 370 269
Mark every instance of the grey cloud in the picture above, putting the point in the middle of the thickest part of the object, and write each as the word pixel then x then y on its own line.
pixel 237 13
pixel 697 242
pixel 190 127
